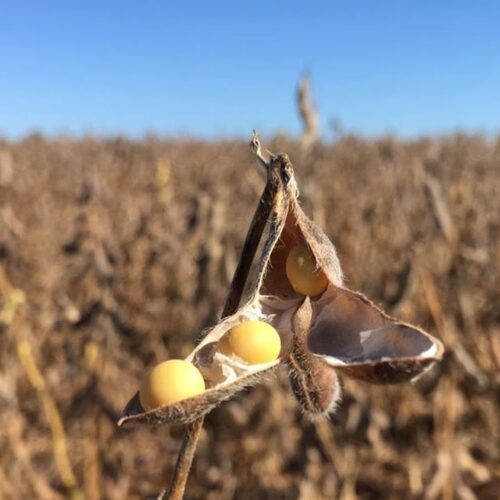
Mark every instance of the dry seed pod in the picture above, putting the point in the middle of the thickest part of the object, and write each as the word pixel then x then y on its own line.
pixel 314 383
pixel 223 374
pixel 271 301
pixel 357 338
pixel 337 329
pixel 347 331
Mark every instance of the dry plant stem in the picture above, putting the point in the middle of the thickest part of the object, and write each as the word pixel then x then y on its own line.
pixel 252 240
pixel 308 113
pixel 184 461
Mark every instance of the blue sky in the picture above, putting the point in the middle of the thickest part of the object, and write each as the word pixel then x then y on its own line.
pixel 211 69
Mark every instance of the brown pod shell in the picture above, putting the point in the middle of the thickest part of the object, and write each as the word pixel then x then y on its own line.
pixel 189 409
pixel 314 383
pixel 357 338
pixel 298 229
pixel 336 331
pixel 226 375
pixel 223 374
pixel 389 372
pixel 348 332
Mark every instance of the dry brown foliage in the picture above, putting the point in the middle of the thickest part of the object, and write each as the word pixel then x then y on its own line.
pixel 115 254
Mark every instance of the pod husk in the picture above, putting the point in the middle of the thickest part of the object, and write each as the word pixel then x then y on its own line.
pixel 205 354
pixel 208 360
pixel 315 385
pixel 189 409
pixel 358 339
pixel 339 331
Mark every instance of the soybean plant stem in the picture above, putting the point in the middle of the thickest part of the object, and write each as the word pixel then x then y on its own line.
pixel 252 240
pixel 184 461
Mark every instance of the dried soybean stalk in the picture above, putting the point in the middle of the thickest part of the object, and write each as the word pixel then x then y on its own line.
pixel 308 114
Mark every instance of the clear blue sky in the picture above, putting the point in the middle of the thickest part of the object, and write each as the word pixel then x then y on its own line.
pixel 222 68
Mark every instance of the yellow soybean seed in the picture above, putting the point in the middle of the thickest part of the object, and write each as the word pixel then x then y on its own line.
pixel 169 382
pixel 224 346
pixel 303 273
pixel 255 342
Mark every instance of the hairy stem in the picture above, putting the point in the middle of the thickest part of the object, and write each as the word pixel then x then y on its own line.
pixel 184 461
pixel 252 240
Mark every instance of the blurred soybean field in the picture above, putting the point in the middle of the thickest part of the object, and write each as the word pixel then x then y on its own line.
pixel 115 254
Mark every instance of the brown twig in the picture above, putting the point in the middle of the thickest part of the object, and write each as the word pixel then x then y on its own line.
pixel 184 461
pixel 252 240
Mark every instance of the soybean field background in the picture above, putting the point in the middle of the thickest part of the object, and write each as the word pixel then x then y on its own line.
pixel 115 254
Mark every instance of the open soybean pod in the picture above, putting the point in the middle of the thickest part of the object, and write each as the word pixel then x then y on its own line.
pixel 357 338
pixel 324 328
pixel 334 329
pixel 225 374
